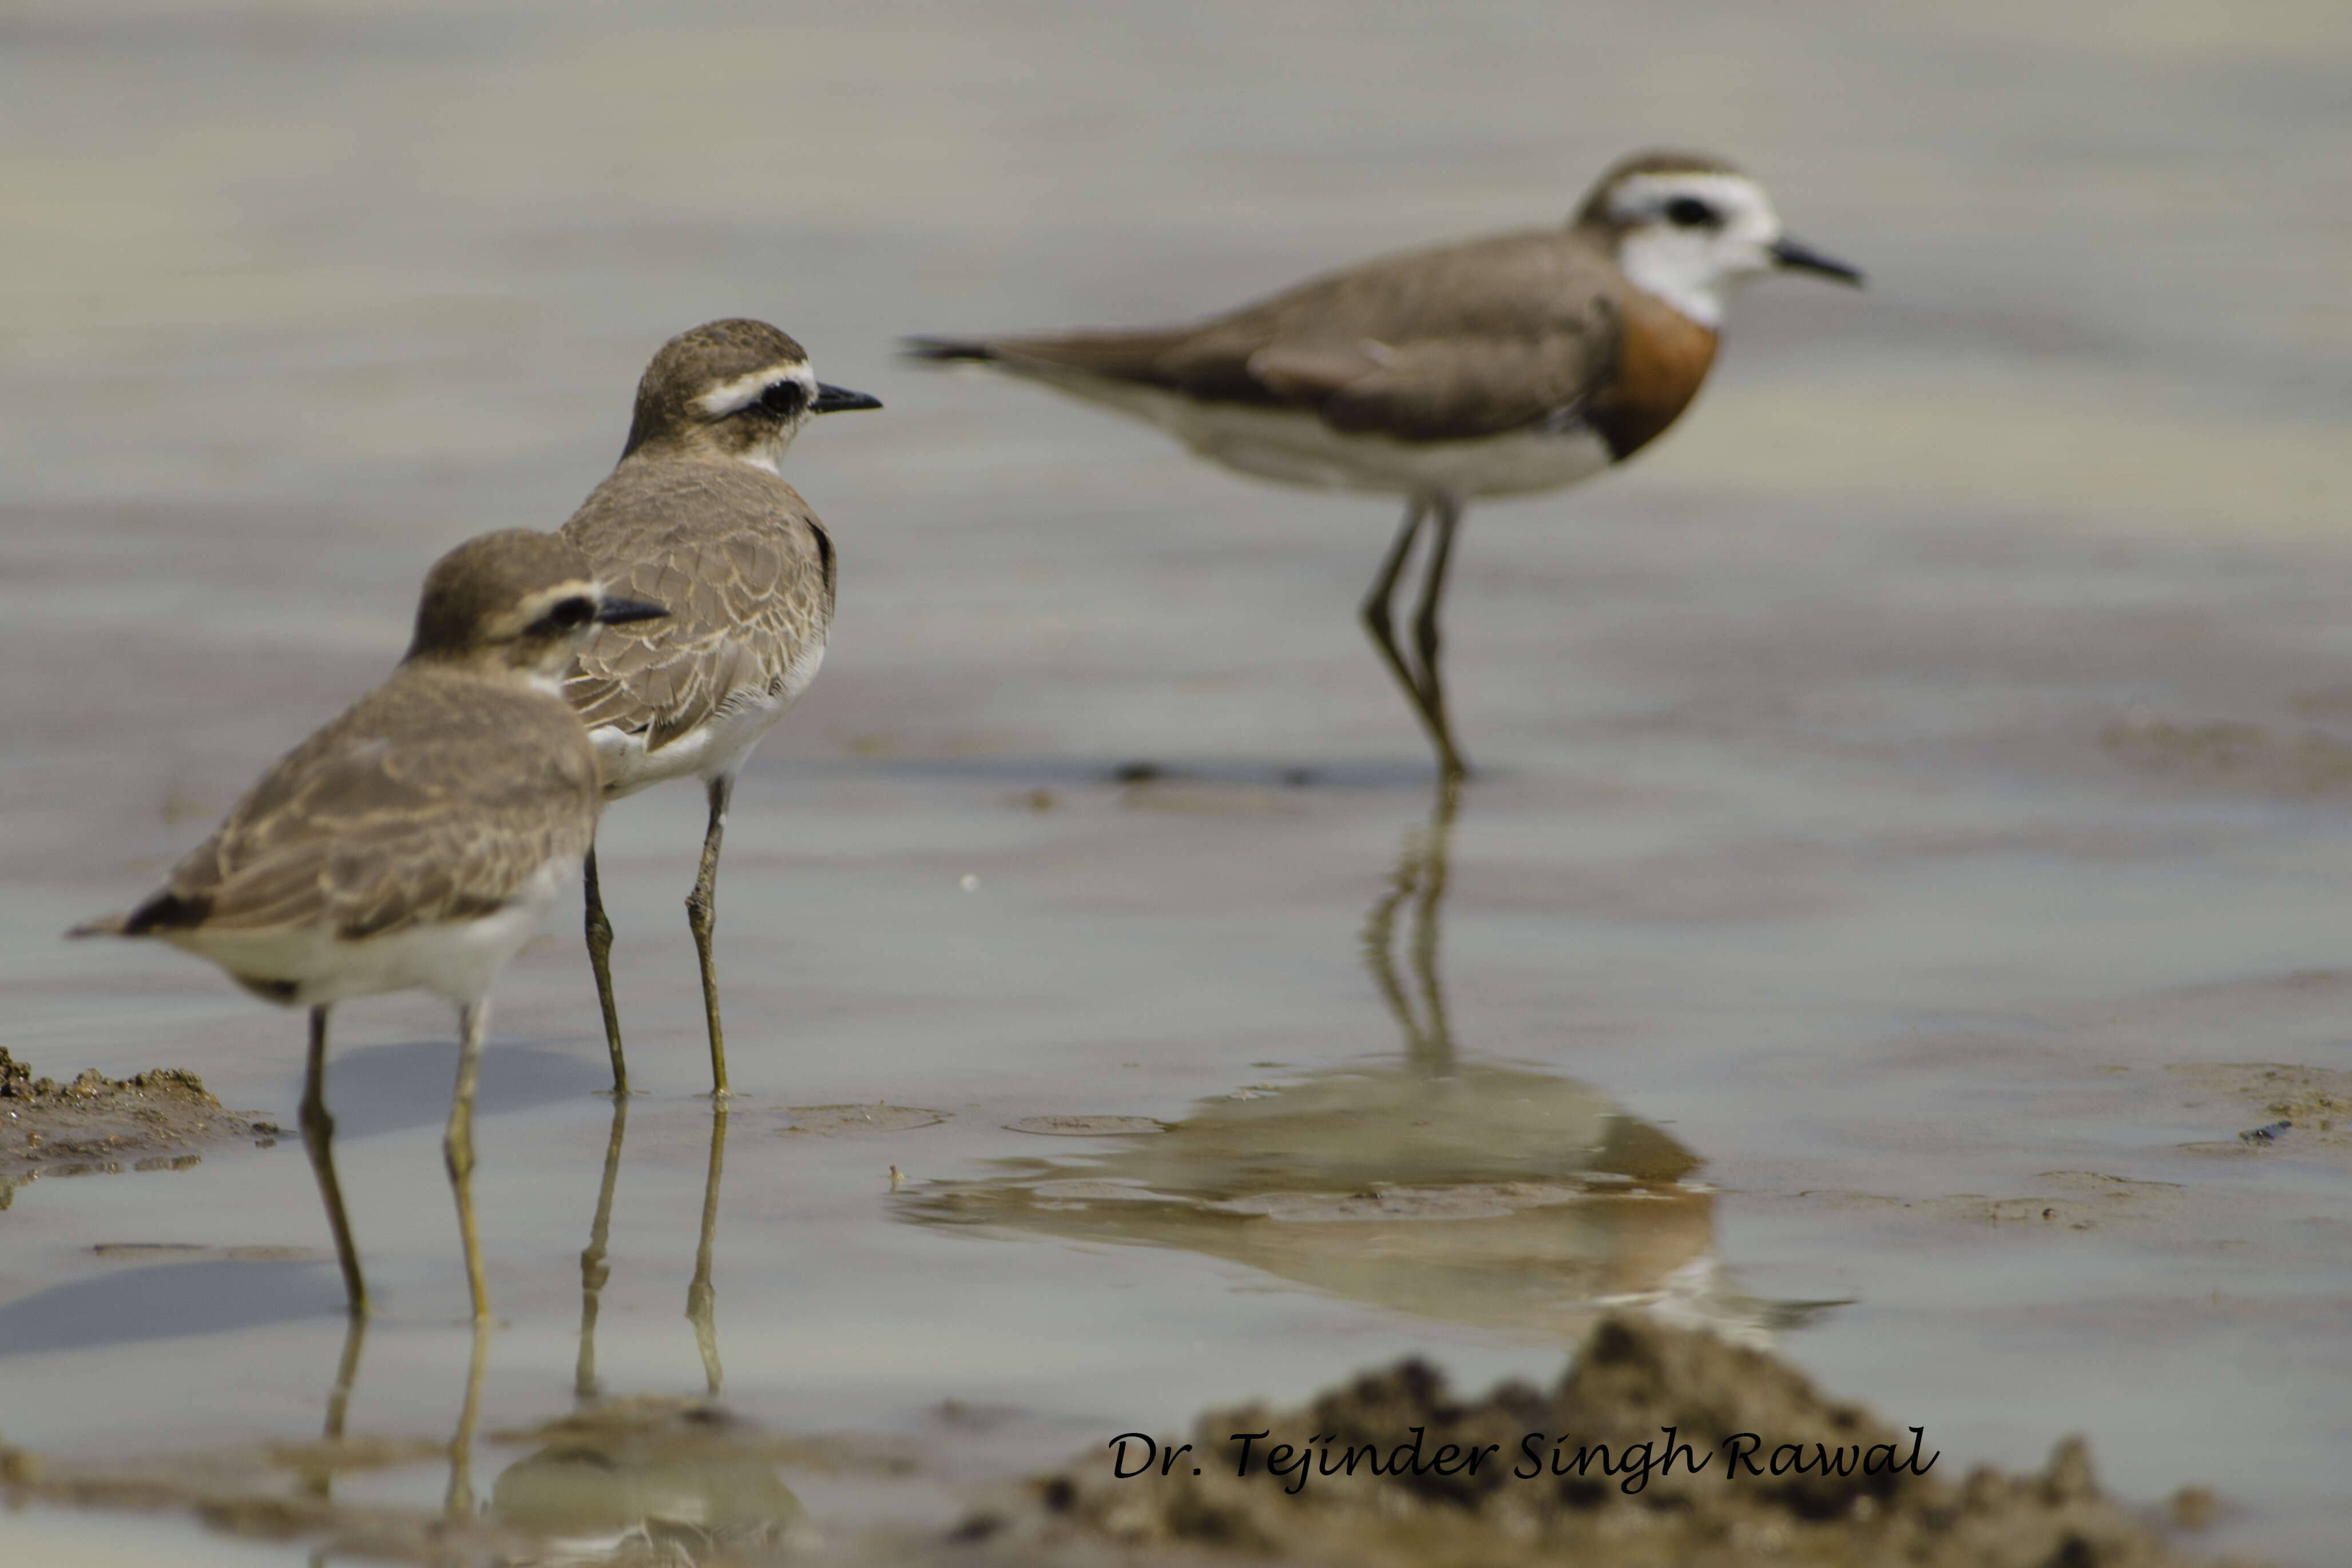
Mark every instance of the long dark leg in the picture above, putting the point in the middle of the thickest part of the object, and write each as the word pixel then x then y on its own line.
pixel 593 1270
pixel 1430 697
pixel 1375 608
pixel 701 916
pixel 318 1137
pixel 473 1022
pixel 599 958
pixel 701 1296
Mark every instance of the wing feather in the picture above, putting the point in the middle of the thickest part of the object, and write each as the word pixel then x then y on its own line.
pixel 739 560
pixel 422 803
pixel 1468 340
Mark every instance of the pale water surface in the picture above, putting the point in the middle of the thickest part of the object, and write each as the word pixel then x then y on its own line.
pixel 1916 790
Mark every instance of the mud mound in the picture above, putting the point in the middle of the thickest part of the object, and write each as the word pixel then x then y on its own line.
pixel 1660 1447
pixel 151 1121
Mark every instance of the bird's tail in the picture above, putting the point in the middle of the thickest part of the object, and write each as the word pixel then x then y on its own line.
pixel 104 926
pixel 946 351
pixel 167 911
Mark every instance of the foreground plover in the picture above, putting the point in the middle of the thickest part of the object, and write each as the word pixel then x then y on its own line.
pixel 416 841
pixel 1492 367
pixel 697 516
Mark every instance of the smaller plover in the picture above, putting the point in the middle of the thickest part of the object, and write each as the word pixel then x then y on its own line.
pixel 1494 367
pixel 697 516
pixel 415 842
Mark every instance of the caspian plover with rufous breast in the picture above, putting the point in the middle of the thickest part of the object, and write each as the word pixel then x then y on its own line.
pixel 1494 367
pixel 415 842
pixel 697 515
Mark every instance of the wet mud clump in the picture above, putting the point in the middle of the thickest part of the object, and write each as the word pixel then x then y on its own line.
pixel 151 1121
pixel 1660 1446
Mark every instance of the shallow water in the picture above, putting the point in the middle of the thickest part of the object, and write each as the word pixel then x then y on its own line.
pixel 1893 780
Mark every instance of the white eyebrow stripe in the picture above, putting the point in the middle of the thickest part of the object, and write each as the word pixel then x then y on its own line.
pixel 1727 193
pixel 728 397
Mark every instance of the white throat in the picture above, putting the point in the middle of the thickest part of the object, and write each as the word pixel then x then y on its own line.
pixel 1694 268
pixel 1663 263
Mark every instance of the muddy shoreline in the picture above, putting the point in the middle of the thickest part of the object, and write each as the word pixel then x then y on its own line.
pixel 92 1125
pixel 1658 1446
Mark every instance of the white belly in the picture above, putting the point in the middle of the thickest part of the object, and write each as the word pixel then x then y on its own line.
pixel 717 747
pixel 457 960
pixel 1295 447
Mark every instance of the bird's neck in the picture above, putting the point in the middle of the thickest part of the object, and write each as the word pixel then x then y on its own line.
pixel 764 452
pixel 491 667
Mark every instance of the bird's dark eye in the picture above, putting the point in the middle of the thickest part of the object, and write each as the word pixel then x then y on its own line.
pixel 1690 213
pixel 569 614
pixel 786 398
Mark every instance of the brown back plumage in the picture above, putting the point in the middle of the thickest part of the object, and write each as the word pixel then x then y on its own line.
pixel 744 568
pixel 438 796
pixel 695 518
pixel 1451 343
pixel 1446 344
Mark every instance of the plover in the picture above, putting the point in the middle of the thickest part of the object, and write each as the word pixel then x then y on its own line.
pixel 697 516
pixel 1494 367
pixel 416 841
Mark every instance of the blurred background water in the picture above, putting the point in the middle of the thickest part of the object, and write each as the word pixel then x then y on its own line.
pixel 1914 789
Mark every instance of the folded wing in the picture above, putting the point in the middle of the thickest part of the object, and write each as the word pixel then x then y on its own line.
pixel 374 825
pixel 748 598
pixel 1470 341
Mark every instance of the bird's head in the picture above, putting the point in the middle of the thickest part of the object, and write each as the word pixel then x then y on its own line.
pixel 737 389
pixel 1690 229
pixel 516 601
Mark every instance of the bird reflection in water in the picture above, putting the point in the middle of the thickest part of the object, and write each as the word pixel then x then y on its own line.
pixel 1499 1196
pixel 701 1294
pixel 1420 878
pixel 644 1481
pixel 648 1480
pixel 318 1480
pixel 641 1479
pixel 316 1466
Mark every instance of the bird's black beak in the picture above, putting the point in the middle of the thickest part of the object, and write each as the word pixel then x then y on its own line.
pixel 841 400
pixel 618 609
pixel 1799 257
